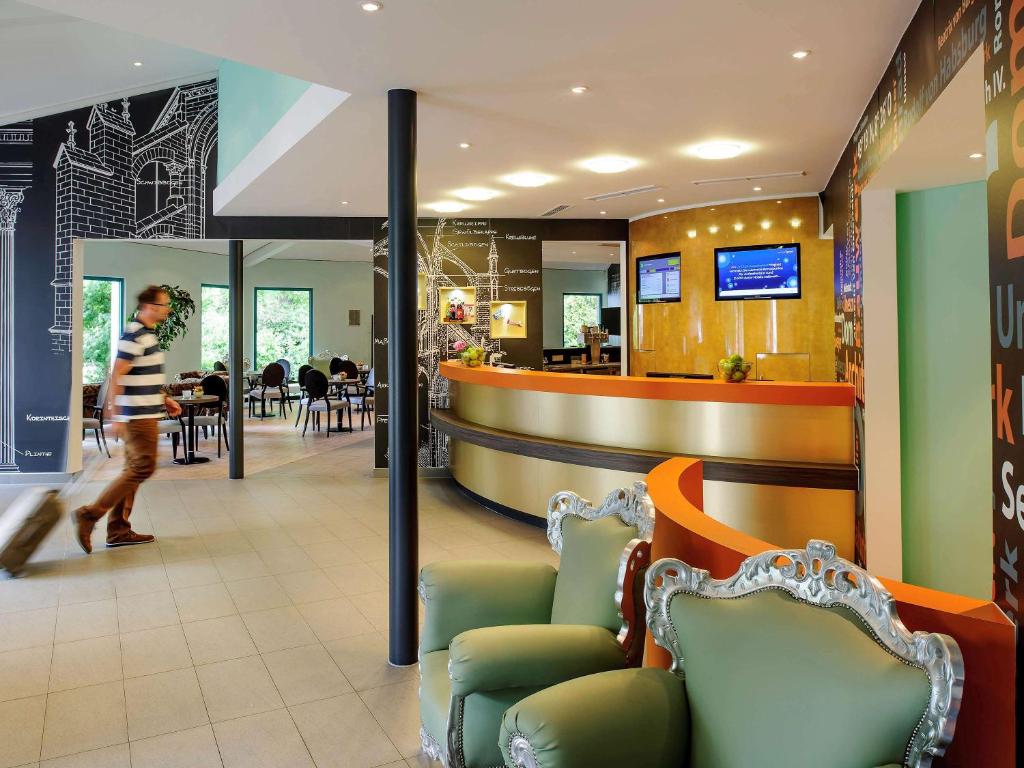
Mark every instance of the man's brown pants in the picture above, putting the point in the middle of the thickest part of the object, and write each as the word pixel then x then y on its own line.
pixel 140 439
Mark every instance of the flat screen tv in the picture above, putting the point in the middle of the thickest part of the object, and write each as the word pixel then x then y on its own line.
pixel 757 272
pixel 657 278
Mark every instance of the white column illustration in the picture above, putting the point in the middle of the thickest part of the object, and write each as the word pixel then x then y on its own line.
pixel 10 200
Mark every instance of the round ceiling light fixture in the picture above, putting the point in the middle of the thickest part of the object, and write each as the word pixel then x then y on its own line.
pixel 136 63
pixel 344 202
pixel 604 213
pixel 718 150
pixel 447 206
pixel 976 156
pixel 371 6
pixel 757 189
pixel 801 54
pixel 609 164
pixel 579 89
pixel 527 179
pixel 475 193
pixel 465 145
pixel 661 199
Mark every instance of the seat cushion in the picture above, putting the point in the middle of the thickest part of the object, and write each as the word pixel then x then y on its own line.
pixel 589 571
pixel 166 426
pixel 89 423
pixel 816 679
pixel 322 406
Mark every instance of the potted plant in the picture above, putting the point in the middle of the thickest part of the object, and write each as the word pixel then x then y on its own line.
pixel 176 324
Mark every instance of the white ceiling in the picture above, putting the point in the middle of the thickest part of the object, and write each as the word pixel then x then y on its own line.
pixel 579 254
pixel 936 152
pixel 54 62
pixel 663 75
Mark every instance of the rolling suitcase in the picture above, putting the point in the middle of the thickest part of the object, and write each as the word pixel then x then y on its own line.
pixel 31 517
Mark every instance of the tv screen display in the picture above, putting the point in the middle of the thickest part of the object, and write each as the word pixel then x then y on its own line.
pixel 657 278
pixel 757 272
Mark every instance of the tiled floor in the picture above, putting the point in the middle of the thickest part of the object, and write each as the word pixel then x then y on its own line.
pixel 251 635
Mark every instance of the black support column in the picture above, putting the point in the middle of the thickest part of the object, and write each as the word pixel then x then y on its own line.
pixel 236 454
pixel 403 428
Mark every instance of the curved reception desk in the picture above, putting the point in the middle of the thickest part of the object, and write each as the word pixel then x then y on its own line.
pixel 778 457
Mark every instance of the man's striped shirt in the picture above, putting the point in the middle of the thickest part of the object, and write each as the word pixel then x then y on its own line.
pixel 142 397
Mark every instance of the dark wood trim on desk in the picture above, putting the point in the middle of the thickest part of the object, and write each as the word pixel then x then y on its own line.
pixel 798 475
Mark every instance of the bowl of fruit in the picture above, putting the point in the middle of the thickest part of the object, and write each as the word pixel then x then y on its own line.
pixel 472 357
pixel 734 369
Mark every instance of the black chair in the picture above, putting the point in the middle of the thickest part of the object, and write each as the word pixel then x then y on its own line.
pixel 361 395
pixel 219 366
pixel 287 368
pixel 347 369
pixel 96 422
pixel 215 416
pixel 303 394
pixel 319 401
pixel 336 365
pixel 271 387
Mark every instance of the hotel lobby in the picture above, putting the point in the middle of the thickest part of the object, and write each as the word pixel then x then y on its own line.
pixel 552 385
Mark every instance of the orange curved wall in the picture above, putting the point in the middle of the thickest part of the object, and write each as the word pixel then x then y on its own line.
pixel 985 728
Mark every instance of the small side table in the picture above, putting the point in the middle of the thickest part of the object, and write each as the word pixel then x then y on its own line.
pixel 190 404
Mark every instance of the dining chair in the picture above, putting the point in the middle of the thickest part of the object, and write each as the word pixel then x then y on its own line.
pixel 361 395
pixel 272 387
pixel 176 429
pixel 303 394
pixel 319 401
pixel 96 421
pixel 215 416
pixel 335 366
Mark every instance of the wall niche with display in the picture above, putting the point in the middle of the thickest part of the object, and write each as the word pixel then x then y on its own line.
pixel 457 305
pixel 508 320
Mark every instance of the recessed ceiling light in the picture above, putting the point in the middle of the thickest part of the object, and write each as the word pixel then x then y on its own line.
pixel 661 199
pixel 476 193
pixel 344 202
pixel 738 227
pixel 718 150
pixel 691 233
pixel 447 206
pixel 604 213
pixel 371 6
pixel 757 189
pixel 801 54
pixel 778 202
pixel 713 229
pixel 136 63
pixel 578 89
pixel 976 156
pixel 527 179
pixel 608 164
pixel 766 224
pixel 574 253
pixel 465 145
pixel 794 223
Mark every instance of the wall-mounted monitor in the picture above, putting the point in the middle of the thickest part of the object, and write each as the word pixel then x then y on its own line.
pixel 657 278
pixel 757 272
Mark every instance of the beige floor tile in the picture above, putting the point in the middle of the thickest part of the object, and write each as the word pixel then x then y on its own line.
pixel 21 730
pixel 334 619
pixel 108 757
pixel 374 606
pixel 268 740
pixel 192 573
pixel 342 733
pixel 397 709
pixel 258 594
pixel 27 629
pixel 164 703
pixel 332 552
pixel 224 544
pixel 308 586
pixel 28 594
pixel 151 651
pixel 81 621
pixel 364 661
pixel 25 672
pixel 175 549
pixel 238 688
pixel 278 628
pixel 86 587
pixel 218 640
pixel 287 560
pixel 84 719
pixel 305 674
pixel 209 601
pixel 85 662
pixel 268 538
pixel 194 748
pixel 148 611
pixel 140 580
pixel 309 534
pixel 355 579
pixel 243 565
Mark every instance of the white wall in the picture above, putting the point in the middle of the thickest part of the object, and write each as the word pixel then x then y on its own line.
pixel 560 281
pixel 337 287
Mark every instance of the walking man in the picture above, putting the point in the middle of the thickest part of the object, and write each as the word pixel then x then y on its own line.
pixel 136 403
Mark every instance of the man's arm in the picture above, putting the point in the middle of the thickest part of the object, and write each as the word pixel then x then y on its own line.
pixel 115 388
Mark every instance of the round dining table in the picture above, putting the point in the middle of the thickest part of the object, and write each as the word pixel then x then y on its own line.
pixel 190 404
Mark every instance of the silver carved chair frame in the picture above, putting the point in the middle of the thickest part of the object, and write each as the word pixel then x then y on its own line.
pixel 632 506
pixel 817 576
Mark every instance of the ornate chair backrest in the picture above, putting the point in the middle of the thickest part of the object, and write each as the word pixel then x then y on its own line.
pixel 316 384
pixel 303 370
pixel 335 366
pixel 349 369
pixel 273 375
pixel 814 646
pixel 215 385
pixel 603 552
pixel 286 366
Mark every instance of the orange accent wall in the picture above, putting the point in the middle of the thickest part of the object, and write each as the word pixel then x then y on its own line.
pixel 692 335
pixel 985 728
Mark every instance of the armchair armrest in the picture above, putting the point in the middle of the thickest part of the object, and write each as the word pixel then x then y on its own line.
pixel 530 656
pixel 462 595
pixel 625 717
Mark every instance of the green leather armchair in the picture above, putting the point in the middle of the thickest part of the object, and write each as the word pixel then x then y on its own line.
pixel 496 632
pixel 799 659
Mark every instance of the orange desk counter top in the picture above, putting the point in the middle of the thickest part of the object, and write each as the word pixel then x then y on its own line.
pixel 697 390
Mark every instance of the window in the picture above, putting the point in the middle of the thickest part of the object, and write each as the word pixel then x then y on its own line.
pixel 578 309
pixel 283 321
pixel 102 323
pixel 213 319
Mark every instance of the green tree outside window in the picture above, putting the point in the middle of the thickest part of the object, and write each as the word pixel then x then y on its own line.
pixel 284 325
pixel 213 315
pixel 101 325
pixel 578 309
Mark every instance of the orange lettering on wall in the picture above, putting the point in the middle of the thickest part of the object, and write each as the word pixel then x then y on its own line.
pixel 1016 45
pixel 1014 243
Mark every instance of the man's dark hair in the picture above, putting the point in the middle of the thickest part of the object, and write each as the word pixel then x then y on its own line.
pixel 150 294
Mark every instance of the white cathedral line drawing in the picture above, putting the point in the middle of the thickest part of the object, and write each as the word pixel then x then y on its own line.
pixel 126 186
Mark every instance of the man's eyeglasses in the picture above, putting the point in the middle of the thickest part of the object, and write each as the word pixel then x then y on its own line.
pixel 157 304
